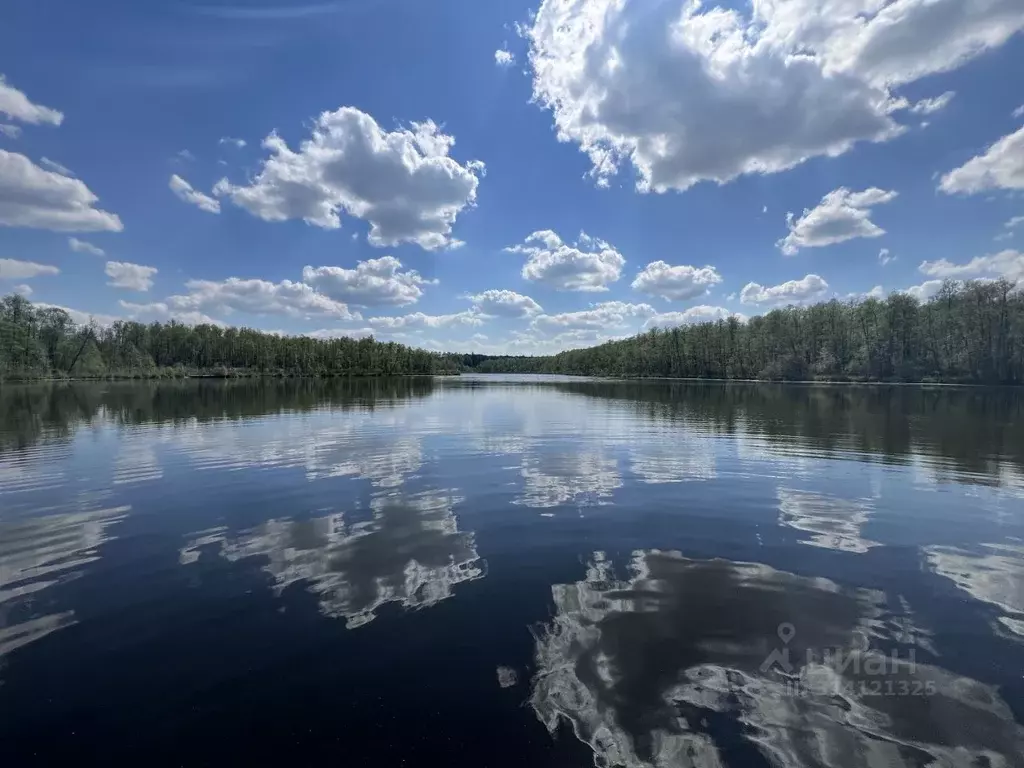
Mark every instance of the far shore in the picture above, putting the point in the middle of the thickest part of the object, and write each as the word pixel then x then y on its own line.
pixel 236 375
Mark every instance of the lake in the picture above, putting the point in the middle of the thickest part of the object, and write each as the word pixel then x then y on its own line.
pixel 511 571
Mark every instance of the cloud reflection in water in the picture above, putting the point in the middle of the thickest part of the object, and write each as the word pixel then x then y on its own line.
pixel 38 553
pixel 639 667
pixel 411 552
pixel 995 577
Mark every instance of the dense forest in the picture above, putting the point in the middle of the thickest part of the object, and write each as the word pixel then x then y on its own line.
pixel 969 332
pixel 43 342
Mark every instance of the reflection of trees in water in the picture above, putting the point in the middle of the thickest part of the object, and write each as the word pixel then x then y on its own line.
pixel 34 411
pixel 976 428
pixel 674 665
pixel 411 552
pixel 37 553
pixel 995 575
pixel 833 523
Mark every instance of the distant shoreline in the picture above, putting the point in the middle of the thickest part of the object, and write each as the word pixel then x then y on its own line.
pixel 802 382
pixel 213 376
pixel 582 377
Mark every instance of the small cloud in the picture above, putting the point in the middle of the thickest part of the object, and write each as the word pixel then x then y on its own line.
pixel 884 257
pixel 931 106
pixel 232 141
pixel 840 216
pixel 10 131
pixel 504 58
pixel 23 290
pixel 56 167
pixel 17 106
pixel 1010 226
pixel 1019 111
pixel 185 155
pixel 507 677
pixel 875 293
pixel 185 192
pixel 135 277
pixel 765 209
pixel 81 246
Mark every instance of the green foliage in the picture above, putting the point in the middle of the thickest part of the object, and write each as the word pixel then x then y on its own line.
pixel 38 343
pixel 970 332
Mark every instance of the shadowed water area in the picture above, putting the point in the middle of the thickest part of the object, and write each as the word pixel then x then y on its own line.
pixel 509 571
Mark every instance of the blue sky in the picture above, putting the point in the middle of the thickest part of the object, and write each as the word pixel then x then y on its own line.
pixel 676 137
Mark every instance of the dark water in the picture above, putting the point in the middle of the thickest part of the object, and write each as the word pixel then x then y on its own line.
pixel 511 572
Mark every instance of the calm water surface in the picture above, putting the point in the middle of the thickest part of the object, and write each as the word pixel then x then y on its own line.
pixel 511 571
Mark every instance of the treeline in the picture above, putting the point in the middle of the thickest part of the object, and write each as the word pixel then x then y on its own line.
pixel 43 342
pixel 968 333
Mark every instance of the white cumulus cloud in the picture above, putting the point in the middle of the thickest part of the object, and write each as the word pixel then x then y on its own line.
pixel 16 106
pixel 676 283
pixel 877 292
pixel 159 311
pixel 23 290
pixel 608 316
pixel 1001 166
pixel 589 264
pixel 504 57
pixel 699 314
pixel 840 216
pixel 1008 264
pixel 686 91
pixel 33 197
pixel 258 297
pixel 185 192
pixel 419 321
pixel 807 289
pixel 135 277
pixel 372 283
pixel 14 269
pixel 503 303
pixel 925 290
pixel 403 182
